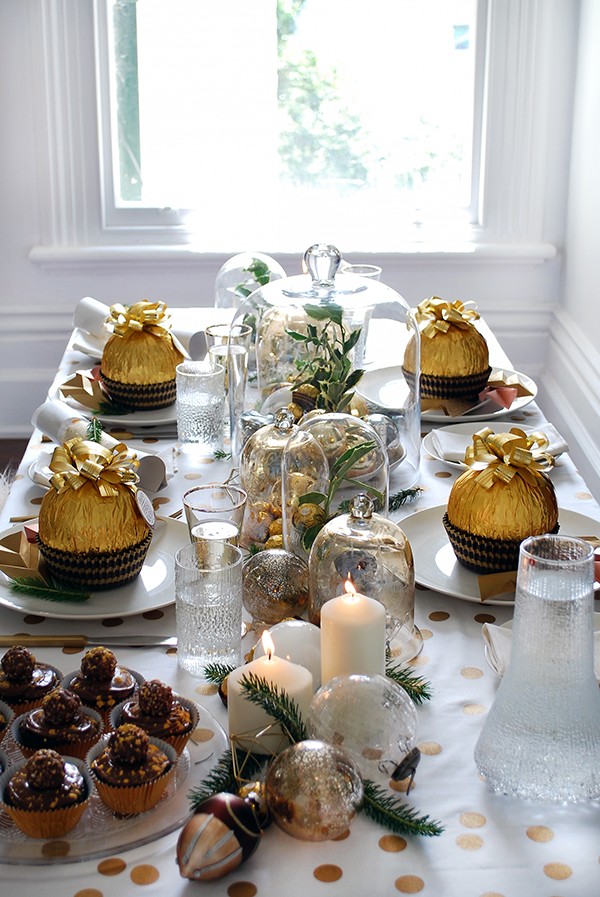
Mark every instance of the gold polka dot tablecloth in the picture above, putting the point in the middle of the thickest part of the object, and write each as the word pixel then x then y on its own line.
pixel 491 846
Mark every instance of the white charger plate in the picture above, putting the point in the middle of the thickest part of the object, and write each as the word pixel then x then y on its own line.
pixel 152 589
pixel 437 567
pixel 384 386
pixel 466 430
pixel 153 418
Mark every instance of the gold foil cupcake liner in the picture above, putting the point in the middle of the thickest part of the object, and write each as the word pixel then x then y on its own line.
pixel 483 555
pixel 46 823
pixel 178 741
pixel 96 570
pixel 18 707
pixel 141 396
pixel 72 747
pixel 129 800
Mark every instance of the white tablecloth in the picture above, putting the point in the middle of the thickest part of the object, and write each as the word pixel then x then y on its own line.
pixel 491 845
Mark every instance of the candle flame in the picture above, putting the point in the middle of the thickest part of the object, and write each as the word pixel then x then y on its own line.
pixel 267 643
pixel 350 596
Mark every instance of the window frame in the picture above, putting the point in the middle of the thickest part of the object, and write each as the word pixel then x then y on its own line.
pixel 80 223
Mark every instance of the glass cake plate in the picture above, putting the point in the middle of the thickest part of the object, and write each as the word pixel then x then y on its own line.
pixel 99 833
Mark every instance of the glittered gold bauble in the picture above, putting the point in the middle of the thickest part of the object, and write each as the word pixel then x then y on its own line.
pixel 313 790
pixel 275 585
pixel 140 357
pixel 81 520
pixel 222 833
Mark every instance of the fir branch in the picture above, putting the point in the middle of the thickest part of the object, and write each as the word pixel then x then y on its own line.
pixel 400 498
pixel 217 672
pixel 222 777
pixel 417 688
pixel 277 704
pixel 220 455
pixel 94 430
pixel 29 585
pixel 106 406
pixel 395 816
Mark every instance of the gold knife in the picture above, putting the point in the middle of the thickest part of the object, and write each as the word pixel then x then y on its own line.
pixel 83 641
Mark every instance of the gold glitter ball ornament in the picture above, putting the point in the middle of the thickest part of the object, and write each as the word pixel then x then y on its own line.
pixel 313 790
pixel 275 585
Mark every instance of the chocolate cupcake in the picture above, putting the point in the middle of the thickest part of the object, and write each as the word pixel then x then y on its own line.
pixel 160 713
pixel 62 724
pixel 46 795
pixel 130 770
pixel 101 683
pixel 24 681
pixel 6 718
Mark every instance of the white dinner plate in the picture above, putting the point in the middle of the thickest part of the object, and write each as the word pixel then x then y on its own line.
pixel 153 588
pixel 100 833
pixel 152 418
pixel 467 430
pixel 491 660
pixel 385 387
pixel 437 567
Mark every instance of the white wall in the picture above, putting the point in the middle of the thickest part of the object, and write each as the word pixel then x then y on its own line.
pixel 516 292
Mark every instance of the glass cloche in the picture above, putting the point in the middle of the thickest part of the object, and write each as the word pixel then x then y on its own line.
pixel 241 275
pixel 334 342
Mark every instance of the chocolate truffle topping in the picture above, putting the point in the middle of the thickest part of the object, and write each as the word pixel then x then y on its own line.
pixel 61 707
pixel 18 664
pixel 99 664
pixel 128 745
pixel 155 698
pixel 45 770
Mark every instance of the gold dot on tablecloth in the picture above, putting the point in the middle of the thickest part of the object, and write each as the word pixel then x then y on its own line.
pixel 472 820
pixel 36 501
pixel 492 894
pixel 33 620
pixel 443 474
pixel 484 618
pixel 558 871
pixel 327 872
pixel 153 614
pixel 56 849
pixel 199 735
pixel 409 884
pixel 120 433
pixel 420 661
pixel 149 440
pixel 583 496
pixel 426 633
pixel 144 874
pixel 469 842
pixel 66 650
pixel 171 651
pixel 208 688
pixel 192 476
pixel 473 709
pixel 242 889
pixel 471 673
pixel 430 748
pixel 89 892
pixel 392 843
pixel 403 785
pixel 112 866
pixel 540 833
pixel 437 616
pixel 112 622
pixel 157 502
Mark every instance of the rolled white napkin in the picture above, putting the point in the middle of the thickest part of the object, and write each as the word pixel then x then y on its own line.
pixel 499 644
pixel 452 446
pixel 60 424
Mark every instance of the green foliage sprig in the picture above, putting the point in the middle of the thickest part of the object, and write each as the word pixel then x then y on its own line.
pixel 94 430
pixel 396 816
pixel 28 585
pixel 417 688
pixel 224 777
pixel 402 497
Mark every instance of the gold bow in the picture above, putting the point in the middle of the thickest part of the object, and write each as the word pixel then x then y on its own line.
pixel 80 461
pixel 437 315
pixel 505 455
pixel 144 315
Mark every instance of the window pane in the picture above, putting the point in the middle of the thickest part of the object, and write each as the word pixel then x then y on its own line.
pixel 280 123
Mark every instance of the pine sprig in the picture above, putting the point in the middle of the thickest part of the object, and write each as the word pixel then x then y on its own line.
pixel 417 688
pixel 277 704
pixel 222 777
pixel 400 498
pixel 220 455
pixel 395 816
pixel 217 672
pixel 28 585
pixel 106 406
pixel 94 430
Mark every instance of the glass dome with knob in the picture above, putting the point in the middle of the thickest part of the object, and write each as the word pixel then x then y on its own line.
pixel 333 342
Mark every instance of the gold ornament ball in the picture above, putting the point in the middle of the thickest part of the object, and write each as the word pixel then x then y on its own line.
pixel 275 585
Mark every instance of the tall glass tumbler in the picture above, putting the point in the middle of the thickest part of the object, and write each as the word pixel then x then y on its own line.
pixel 215 511
pixel 200 407
pixel 541 738
pixel 208 607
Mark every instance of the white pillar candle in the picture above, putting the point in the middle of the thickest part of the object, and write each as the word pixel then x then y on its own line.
pixel 352 635
pixel 299 642
pixel 246 720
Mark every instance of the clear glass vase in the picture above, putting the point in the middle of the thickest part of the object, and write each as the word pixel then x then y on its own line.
pixel 541 739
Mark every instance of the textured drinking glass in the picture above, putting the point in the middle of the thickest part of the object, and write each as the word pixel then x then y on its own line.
pixel 200 407
pixel 208 606
pixel 215 512
pixel 372 271
pixel 234 359
pixel 233 334
pixel 541 739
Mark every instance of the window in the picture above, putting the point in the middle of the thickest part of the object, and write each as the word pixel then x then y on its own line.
pixel 352 117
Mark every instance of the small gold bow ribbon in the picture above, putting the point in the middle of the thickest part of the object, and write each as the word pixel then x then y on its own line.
pixel 505 455
pixel 144 315
pixel 81 460
pixel 437 315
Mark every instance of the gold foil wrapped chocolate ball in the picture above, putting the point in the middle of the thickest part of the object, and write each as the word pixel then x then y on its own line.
pixel 503 499
pixel 454 354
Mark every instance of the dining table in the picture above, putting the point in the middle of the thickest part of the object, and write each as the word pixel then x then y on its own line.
pixel 491 845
